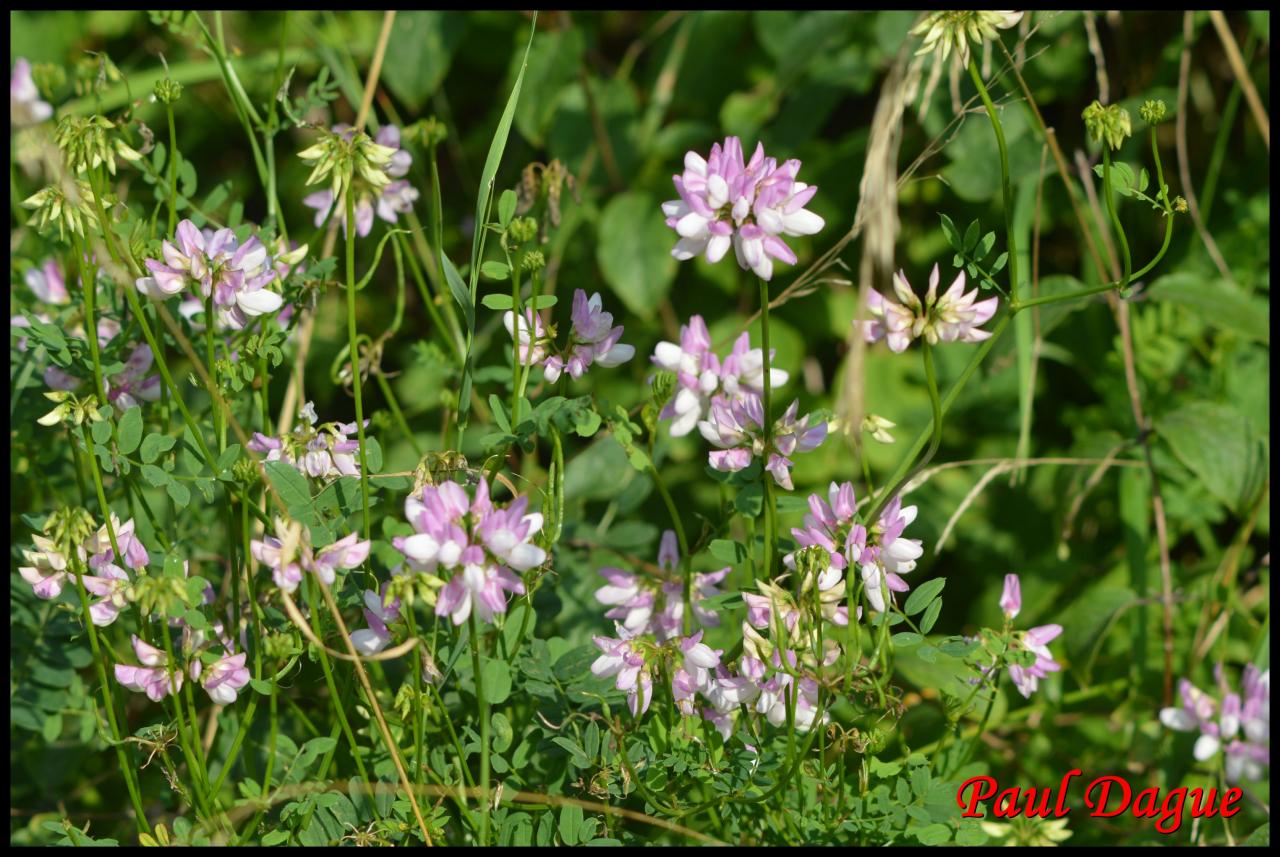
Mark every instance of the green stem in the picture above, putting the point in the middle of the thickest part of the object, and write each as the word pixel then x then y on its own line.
pixel 397 413
pixel 685 565
pixel 932 380
pixel 173 170
pixel 770 508
pixel 1005 184
pixel 355 359
pixel 477 664
pixel 334 698
pixel 1109 199
pixel 130 775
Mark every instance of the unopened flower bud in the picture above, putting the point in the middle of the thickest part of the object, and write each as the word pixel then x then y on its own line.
pixel 1152 111
pixel 1179 205
pixel 167 91
pixel 877 426
pixel 48 77
pixel 522 229
pixel 1110 123
pixel 533 261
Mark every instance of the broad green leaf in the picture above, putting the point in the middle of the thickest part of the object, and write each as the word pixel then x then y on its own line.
pixel 924 595
pixel 634 251
pixel 1218 444
pixel 129 433
pixel 419 52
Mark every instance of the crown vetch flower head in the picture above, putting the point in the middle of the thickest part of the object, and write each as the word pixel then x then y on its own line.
pixel 953 317
pixel 726 202
pixel 236 275
pixel 945 31
pixel 367 168
pixel 1240 727
pixel 483 546
pixel 593 339
pixel 152 678
pixel 226 678
pixel 737 428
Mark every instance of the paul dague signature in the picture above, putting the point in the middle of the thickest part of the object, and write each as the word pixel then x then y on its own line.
pixel 1105 797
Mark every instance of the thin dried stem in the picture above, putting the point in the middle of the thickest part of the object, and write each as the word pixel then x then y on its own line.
pixel 1180 142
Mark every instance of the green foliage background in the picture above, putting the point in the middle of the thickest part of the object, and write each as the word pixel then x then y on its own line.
pixel 618 98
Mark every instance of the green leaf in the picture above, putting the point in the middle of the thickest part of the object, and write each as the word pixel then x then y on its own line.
pixel 923 595
pixel 971 238
pixel 1218 303
pixel 728 551
pixel 934 834
pixel 495 270
pixel 1219 446
pixel 506 208
pixel 497 301
pixel 903 639
pixel 460 292
pixel 289 484
pixel 154 475
pixel 952 234
pixel 180 493
pixel 931 615
pixel 497 681
pixel 570 823
pixel 155 444
pixel 634 252
pixel 101 431
pixel 419 53
pixel 129 433
pixel 494 159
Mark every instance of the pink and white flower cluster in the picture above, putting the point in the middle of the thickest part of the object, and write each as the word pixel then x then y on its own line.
pixel 50 569
pixel 481 546
pixel 289 553
pixel 954 317
pixel 749 205
pixel 1240 727
pixel 634 658
pixel 702 377
pixel 392 200
pixel 655 605
pixel 736 426
pixel 593 339
pixel 882 555
pixel 1036 641
pixel 319 451
pixel 157 678
pixel 235 274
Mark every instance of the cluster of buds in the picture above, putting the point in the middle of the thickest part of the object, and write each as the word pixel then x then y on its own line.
pixel 53 207
pixel 364 168
pixel 71 410
pixel 88 142
pixel 1110 123
pixel 953 317
pixel 320 451
pixel 947 31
